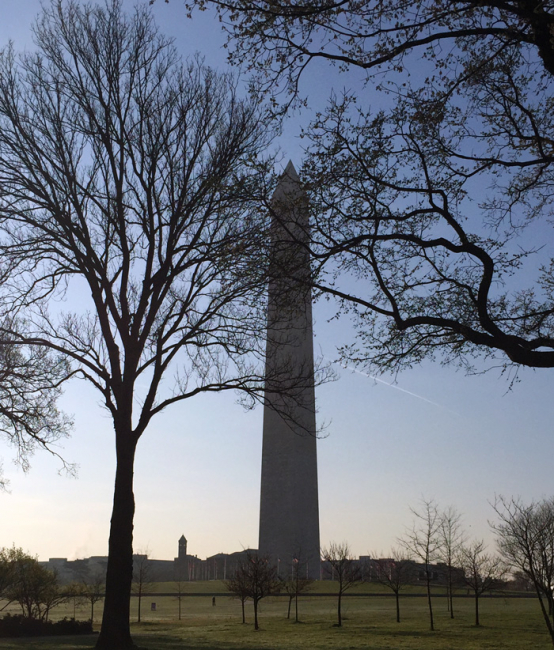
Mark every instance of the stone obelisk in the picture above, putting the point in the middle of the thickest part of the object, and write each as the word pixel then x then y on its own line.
pixel 289 512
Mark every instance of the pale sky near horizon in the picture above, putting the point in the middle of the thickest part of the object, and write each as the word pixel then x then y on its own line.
pixel 435 433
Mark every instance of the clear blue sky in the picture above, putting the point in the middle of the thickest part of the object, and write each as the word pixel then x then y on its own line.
pixel 435 433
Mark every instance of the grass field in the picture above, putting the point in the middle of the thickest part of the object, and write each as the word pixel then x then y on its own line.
pixel 507 624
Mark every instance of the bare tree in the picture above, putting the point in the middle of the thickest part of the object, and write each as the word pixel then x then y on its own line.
pixel 482 571
pixel 255 578
pixel 130 175
pixel 237 584
pixel 143 577
pixel 74 591
pixel 88 586
pixel 179 582
pixel 93 591
pixel 525 537
pixel 344 569
pixel 428 208
pixel 281 39
pixel 452 538
pixel 422 541
pixel 30 384
pixel 521 582
pixel 295 584
pixel 394 573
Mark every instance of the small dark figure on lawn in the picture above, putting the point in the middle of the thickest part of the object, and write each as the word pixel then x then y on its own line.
pixel 213 601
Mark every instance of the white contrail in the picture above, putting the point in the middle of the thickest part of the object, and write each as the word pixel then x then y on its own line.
pixel 403 390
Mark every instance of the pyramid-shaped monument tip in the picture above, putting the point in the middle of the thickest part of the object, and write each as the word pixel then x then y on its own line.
pixel 289 187
pixel 290 172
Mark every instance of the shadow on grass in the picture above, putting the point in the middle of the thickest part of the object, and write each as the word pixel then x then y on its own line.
pixel 50 642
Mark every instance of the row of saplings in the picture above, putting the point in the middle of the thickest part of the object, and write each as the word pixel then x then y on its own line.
pixel 525 535
pixel 24 581
pixel 525 540
pixel 255 577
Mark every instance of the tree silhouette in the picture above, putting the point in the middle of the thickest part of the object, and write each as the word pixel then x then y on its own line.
pixel 423 542
pixel 482 571
pixel 255 578
pixel 30 385
pixel 395 573
pixel 525 537
pixel 128 176
pixel 343 568
pixel 430 216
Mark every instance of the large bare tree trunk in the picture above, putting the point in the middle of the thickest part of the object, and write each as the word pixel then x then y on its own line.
pixel 115 633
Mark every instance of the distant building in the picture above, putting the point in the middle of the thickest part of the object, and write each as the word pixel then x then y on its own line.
pixel 183 568
pixel 221 566
pixel 182 548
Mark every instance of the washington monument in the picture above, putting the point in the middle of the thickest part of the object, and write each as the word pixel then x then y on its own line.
pixel 289 512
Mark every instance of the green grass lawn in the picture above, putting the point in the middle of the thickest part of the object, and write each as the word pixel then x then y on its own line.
pixel 507 624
